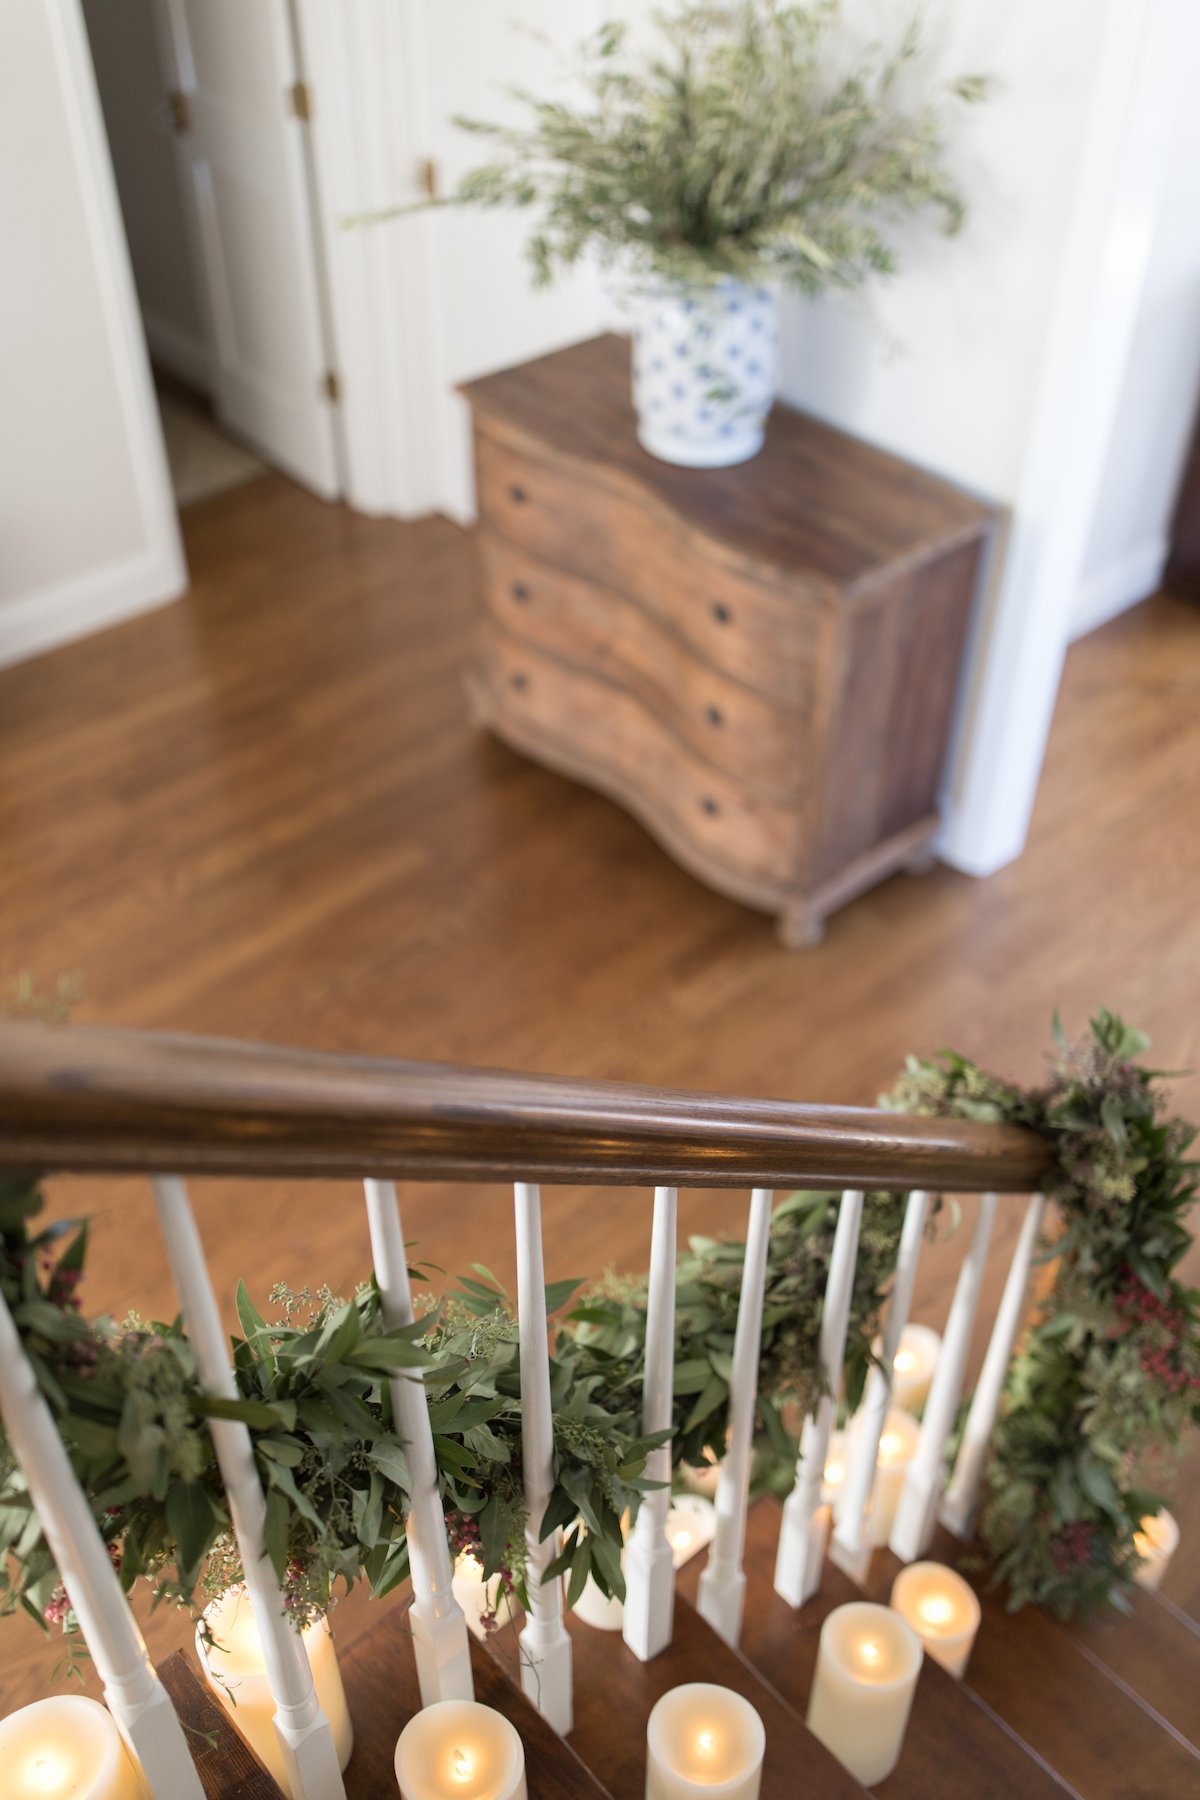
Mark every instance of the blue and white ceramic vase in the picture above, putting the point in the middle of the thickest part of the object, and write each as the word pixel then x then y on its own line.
pixel 703 371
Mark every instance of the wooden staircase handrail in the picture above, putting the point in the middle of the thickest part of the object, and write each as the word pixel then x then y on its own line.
pixel 90 1099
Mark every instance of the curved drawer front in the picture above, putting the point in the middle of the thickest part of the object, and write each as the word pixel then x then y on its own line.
pixel 599 733
pixel 762 635
pixel 734 726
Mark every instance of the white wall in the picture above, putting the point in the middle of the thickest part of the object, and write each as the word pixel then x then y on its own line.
pixel 1129 539
pixel 129 74
pixel 87 525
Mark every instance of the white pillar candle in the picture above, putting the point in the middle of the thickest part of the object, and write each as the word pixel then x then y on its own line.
pixel 1156 1541
pixel 236 1671
pixel 913 1365
pixel 460 1750
pixel 704 1743
pixel 834 1474
pixel 867 1667
pixel 897 1446
pixel 691 1526
pixel 477 1596
pixel 702 1478
pixel 599 1610
pixel 942 1609
pixel 65 1748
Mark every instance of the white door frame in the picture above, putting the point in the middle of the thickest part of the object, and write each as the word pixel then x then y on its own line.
pixel 156 572
pixel 1015 663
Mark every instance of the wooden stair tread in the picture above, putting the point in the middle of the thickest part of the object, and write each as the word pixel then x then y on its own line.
pixel 952 1744
pixel 227 1767
pixel 1088 1726
pixel 614 1694
pixel 1155 1651
pixel 380 1677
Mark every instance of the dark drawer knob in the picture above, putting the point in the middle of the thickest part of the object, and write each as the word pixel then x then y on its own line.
pixel 709 805
pixel 519 680
pixel 721 612
pixel 517 494
pixel 714 715
pixel 520 591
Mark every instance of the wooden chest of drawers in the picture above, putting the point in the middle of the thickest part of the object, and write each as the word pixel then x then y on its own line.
pixel 758 662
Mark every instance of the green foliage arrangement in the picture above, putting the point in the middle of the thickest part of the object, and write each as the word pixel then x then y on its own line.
pixel 756 143
pixel 1108 1376
pixel 1102 1388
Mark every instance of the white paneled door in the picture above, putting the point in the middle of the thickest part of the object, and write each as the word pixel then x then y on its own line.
pixel 241 135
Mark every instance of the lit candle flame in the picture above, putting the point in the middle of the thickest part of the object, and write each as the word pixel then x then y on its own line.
pixel 905 1360
pixel 47 1773
pixel 835 1469
pixel 681 1539
pixel 869 1652
pixel 462 1766
pixel 935 1609
pixel 706 1742
pixel 890 1444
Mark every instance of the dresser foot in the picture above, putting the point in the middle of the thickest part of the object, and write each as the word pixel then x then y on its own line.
pixel 799 927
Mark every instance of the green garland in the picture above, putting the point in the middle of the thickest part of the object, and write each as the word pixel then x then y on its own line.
pixel 1104 1383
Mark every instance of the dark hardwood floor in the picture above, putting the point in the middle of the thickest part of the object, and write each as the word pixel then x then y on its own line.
pixel 264 812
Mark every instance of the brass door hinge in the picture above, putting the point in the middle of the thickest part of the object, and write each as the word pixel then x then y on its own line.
pixel 331 387
pixel 179 111
pixel 300 100
pixel 427 177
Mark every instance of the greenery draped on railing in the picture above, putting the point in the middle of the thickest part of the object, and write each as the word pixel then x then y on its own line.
pixel 1107 1376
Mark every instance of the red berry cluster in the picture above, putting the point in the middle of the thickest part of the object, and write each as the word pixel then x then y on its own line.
pixel 1164 1326
pixel 1073 1547
pixel 59 1603
pixel 465 1540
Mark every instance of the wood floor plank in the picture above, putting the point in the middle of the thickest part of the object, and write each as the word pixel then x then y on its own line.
pixel 264 812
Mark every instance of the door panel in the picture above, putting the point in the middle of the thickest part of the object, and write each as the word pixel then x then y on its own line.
pixel 244 154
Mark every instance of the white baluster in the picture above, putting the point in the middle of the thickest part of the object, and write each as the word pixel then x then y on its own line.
pixel 545 1646
pixel 805 1521
pixel 136 1698
pixel 962 1495
pixel 723 1584
pixel 916 1512
pixel 440 1641
pixel 649 1567
pixel 851 1546
pixel 305 1736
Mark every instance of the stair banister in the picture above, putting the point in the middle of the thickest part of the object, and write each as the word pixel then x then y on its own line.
pixel 805 1521
pixel 851 1546
pixel 723 1583
pixel 962 1494
pixel 916 1510
pixel 82 1098
pixel 136 1698
pixel 545 1646
pixel 305 1735
pixel 649 1563
pixel 439 1630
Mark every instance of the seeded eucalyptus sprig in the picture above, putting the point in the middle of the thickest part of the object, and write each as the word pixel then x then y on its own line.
pixel 757 141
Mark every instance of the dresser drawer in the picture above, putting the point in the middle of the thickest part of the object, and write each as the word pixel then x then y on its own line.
pixel 768 636
pixel 600 734
pixel 735 727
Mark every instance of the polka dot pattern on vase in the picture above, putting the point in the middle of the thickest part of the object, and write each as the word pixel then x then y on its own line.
pixel 704 371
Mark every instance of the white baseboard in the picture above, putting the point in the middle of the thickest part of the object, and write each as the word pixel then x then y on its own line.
pixel 74 609
pixel 1118 586
pixel 178 352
